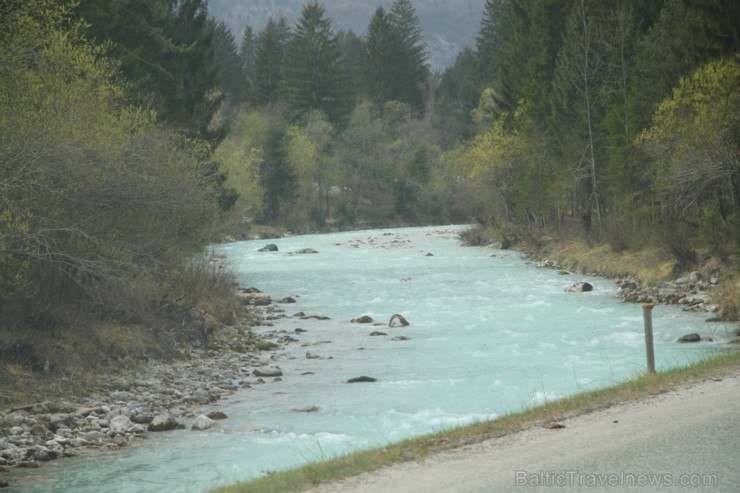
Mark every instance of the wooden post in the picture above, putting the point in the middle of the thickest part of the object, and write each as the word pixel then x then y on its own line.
pixel 647 313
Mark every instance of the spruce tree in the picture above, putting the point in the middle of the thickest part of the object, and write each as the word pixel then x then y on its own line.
pixel 247 54
pixel 231 74
pixel 313 76
pixel 488 40
pixel 383 59
pixel 353 52
pixel 166 52
pixel 522 51
pixel 277 177
pixel 268 60
pixel 412 69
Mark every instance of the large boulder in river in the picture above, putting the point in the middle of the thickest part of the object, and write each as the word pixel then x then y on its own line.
pixel 217 415
pixel 162 422
pixel 203 422
pixel 398 321
pixel 365 319
pixel 269 248
pixel 690 338
pixel 580 287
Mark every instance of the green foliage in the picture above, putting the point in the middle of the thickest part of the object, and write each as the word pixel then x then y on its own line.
pixel 382 59
pixel 457 96
pixel 412 71
pixel 694 148
pixel 231 67
pixel 241 155
pixel 310 153
pixel 96 197
pixel 15 250
pixel 278 178
pixel 268 60
pixel 165 49
pixel 313 76
pixel 395 57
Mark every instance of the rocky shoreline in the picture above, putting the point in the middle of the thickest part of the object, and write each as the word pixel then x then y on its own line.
pixel 154 397
pixel 692 292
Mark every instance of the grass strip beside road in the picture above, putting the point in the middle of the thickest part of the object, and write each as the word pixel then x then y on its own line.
pixel 725 362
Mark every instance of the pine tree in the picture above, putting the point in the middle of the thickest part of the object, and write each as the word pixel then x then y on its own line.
pixel 412 70
pixel 166 53
pixel 353 51
pixel 268 61
pixel 458 96
pixel 278 179
pixel 231 74
pixel 383 59
pixel 579 68
pixel 488 41
pixel 247 55
pixel 313 70
pixel 526 40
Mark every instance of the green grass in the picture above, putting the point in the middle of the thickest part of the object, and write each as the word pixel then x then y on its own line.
pixel 302 478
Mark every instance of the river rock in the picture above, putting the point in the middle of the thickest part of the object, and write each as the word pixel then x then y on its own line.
pixel 142 418
pixel 256 299
pixel 203 422
pixel 398 321
pixel 121 395
pixel 41 431
pixel 39 452
pixel 580 287
pixel 270 371
pixel 365 319
pixel 120 424
pixel 162 422
pixel 201 396
pixel 271 247
pixel 57 407
pixel 314 317
pixel 376 333
pixel 307 409
pixel 217 415
pixel 362 379
pixel 690 338
pixel 305 251
pixel 58 421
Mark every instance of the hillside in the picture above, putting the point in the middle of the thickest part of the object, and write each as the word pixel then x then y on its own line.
pixel 448 25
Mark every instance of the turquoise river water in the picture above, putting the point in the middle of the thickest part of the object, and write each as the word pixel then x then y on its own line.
pixel 490 333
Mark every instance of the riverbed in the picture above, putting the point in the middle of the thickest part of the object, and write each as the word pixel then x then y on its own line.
pixel 489 334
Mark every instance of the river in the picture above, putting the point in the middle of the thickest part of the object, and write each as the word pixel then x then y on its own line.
pixel 490 333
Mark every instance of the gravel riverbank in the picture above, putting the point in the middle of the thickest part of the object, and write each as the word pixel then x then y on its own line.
pixel 149 398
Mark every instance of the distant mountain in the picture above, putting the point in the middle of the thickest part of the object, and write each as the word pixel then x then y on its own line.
pixel 448 25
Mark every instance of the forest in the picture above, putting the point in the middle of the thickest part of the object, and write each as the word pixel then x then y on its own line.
pixel 134 134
